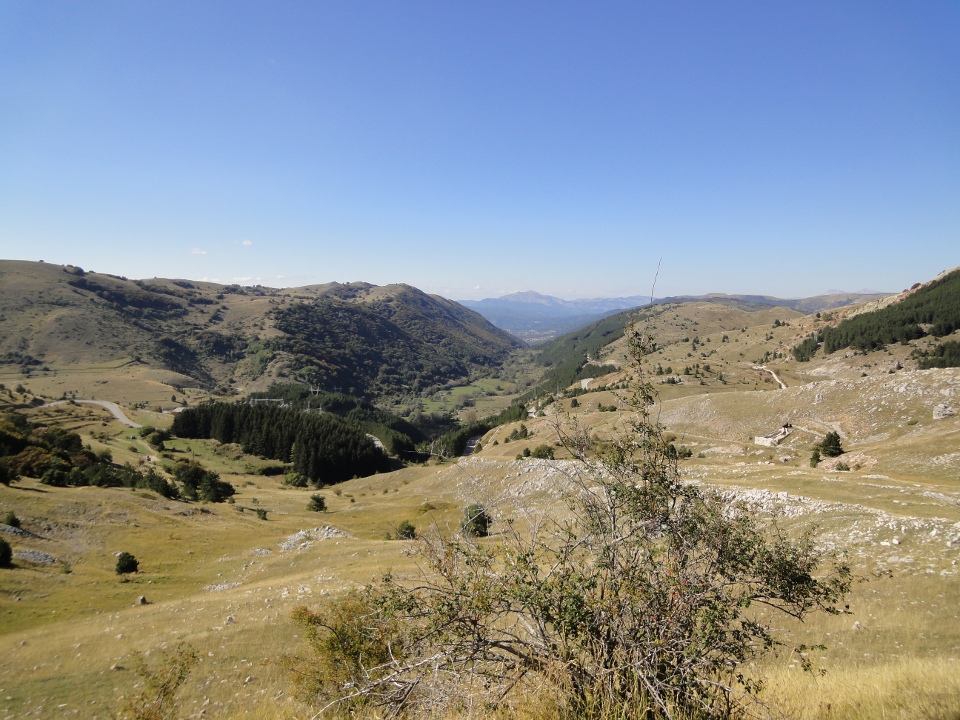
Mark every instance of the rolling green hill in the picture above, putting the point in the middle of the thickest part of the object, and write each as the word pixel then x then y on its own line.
pixel 375 341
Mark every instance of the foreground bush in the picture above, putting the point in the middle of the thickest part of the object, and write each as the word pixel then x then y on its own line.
pixel 156 698
pixel 6 553
pixel 636 604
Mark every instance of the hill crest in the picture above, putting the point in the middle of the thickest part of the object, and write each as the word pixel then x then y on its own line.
pixel 379 340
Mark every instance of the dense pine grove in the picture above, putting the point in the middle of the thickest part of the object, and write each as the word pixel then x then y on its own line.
pixel 807 348
pixel 336 448
pixel 398 436
pixel 567 357
pixel 321 446
pixel 931 310
pixel 943 356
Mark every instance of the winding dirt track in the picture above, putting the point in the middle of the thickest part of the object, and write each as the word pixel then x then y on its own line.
pixel 113 408
pixel 783 385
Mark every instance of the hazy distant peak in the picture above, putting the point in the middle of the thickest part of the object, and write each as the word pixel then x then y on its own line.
pixel 532 296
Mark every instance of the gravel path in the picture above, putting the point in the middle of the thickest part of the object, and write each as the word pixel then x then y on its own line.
pixel 783 385
pixel 113 408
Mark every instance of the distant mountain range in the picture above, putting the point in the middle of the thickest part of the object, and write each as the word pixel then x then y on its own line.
pixel 537 318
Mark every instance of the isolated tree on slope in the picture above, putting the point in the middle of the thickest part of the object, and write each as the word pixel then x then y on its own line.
pixel 830 446
pixel 635 604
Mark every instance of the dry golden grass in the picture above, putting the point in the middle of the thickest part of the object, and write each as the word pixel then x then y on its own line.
pixel 910 688
pixel 65 633
pixel 62 633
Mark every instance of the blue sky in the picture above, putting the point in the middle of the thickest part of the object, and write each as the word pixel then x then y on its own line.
pixel 475 149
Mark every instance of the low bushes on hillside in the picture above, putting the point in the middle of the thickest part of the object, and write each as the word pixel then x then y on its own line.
pixel 58 458
pixel 201 484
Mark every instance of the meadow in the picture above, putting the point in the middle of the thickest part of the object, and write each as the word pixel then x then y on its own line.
pixel 226 578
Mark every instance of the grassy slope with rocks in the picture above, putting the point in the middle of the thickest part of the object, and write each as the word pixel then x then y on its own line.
pixel 227 581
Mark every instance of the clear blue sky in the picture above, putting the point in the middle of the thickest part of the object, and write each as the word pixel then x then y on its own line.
pixel 475 149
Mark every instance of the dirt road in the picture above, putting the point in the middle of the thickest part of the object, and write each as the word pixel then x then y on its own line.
pixel 113 408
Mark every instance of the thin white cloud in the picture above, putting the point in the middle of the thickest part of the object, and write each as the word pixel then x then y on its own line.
pixel 247 243
pixel 198 251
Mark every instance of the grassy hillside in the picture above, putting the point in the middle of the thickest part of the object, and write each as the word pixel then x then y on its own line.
pixel 757 302
pixel 226 580
pixel 379 341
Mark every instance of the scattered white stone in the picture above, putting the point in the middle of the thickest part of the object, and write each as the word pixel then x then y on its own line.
pixel 305 538
pixel 221 586
pixel 942 411
pixel 35 556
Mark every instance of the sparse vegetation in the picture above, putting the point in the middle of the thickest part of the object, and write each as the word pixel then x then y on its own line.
pixel 896 514
pixel 476 521
pixel 157 698
pixel 406 530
